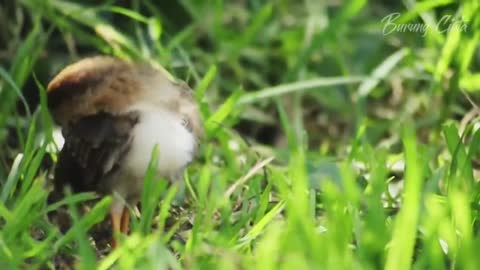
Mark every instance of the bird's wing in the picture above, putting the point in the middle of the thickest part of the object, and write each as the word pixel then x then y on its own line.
pixel 94 147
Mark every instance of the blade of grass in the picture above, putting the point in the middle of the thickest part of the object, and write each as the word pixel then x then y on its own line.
pixel 8 101
pixel 400 252
pixel 283 89
pixel 470 82
pixel 247 176
pixel 224 111
pixel 381 71
pixel 94 216
pixel 85 250
pixel 259 227
pixel 12 178
pixel 152 191
pixel 461 166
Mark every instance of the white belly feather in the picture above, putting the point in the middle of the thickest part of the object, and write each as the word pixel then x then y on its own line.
pixel 163 128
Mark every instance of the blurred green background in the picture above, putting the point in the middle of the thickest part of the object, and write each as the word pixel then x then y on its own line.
pixel 345 93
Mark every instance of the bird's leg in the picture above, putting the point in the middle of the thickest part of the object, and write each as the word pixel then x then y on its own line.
pixel 116 213
pixel 125 221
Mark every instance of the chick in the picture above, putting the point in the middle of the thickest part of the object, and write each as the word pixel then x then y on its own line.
pixel 112 113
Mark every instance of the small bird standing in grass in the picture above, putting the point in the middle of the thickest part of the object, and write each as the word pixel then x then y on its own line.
pixel 112 114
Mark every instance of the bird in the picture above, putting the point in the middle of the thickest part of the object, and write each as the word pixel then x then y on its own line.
pixel 112 113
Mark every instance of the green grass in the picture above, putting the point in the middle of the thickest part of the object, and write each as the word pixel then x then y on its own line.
pixel 328 144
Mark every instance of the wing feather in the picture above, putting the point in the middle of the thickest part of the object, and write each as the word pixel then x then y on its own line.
pixel 94 147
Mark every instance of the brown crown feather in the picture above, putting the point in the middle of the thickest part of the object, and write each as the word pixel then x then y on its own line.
pixel 92 85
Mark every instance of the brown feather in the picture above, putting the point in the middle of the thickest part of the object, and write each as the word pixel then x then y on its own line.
pixel 92 85
pixel 94 148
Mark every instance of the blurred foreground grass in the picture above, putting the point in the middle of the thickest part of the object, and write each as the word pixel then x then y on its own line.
pixel 336 139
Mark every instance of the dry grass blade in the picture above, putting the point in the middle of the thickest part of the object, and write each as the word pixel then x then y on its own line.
pixel 247 176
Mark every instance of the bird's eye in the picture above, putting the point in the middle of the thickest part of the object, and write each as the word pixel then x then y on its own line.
pixel 184 121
